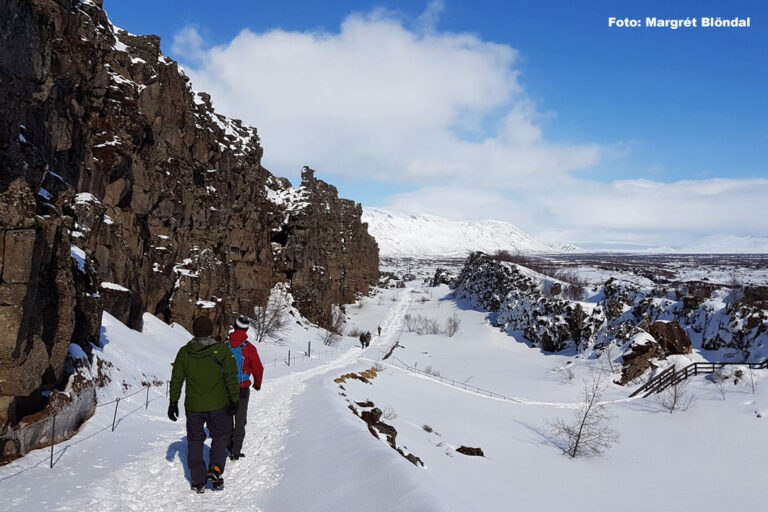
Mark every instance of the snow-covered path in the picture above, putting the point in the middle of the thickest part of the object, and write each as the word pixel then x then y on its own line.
pixel 148 472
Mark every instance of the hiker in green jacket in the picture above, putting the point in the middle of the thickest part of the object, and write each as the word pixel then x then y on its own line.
pixel 212 393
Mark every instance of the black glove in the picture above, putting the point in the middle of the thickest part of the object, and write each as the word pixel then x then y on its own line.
pixel 232 409
pixel 173 410
pixel 257 388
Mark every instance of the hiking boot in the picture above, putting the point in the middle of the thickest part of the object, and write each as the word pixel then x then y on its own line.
pixel 234 457
pixel 217 481
pixel 198 488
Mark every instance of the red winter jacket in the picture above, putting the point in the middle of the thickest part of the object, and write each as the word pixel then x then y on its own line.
pixel 251 362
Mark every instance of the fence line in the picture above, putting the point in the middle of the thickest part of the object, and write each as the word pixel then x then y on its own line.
pixel 670 376
pixel 451 382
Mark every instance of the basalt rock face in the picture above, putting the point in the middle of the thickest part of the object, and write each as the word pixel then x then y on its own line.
pixel 122 190
pixel 644 324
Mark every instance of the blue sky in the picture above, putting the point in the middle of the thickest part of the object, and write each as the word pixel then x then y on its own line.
pixel 678 114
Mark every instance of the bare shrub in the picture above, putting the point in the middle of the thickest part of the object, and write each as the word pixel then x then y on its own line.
pixel 420 324
pixel 591 432
pixel 452 325
pixel 389 413
pixel 427 428
pixel 565 372
pixel 271 320
pixel 675 398
pixel 431 371
pixel 332 335
pixel 354 332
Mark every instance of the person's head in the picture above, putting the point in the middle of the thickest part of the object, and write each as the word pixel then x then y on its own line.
pixel 242 323
pixel 202 326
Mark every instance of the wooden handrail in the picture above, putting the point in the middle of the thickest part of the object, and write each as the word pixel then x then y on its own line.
pixel 670 376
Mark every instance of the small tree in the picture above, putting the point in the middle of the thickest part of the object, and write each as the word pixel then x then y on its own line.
pixel 452 325
pixel 591 433
pixel 607 360
pixel 751 379
pixel 271 320
pixel 675 397
pixel 331 335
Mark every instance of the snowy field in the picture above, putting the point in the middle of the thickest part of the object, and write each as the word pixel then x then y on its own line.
pixel 306 450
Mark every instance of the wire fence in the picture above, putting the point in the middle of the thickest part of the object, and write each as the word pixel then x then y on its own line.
pixel 62 422
pixel 27 436
pixel 432 374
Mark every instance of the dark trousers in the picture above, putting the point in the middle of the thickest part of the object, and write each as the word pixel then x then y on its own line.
pixel 240 419
pixel 219 425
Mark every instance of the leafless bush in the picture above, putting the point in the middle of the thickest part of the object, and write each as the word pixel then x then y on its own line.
pixel 389 413
pixel 354 332
pixel 452 325
pixel 331 335
pixel 427 428
pixel 675 398
pixel 271 320
pixel 591 432
pixel 565 372
pixel 420 324
pixel 431 371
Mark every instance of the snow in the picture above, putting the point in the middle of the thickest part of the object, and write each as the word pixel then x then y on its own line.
pixel 79 256
pixel 306 451
pixel 113 286
pixel 425 236
pixel 85 197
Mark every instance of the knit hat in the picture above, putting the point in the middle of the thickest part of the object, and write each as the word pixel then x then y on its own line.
pixel 202 326
pixel 242 323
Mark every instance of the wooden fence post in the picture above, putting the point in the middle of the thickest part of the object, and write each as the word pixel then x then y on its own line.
pixel 117 402
pixel 147 405
pixel 53 437
pixel 309 349
pixel 289 358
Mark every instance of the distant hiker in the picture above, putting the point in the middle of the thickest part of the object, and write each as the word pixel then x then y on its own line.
pixel 379 331
pixel 248 363
pixel 210 372
pixel 365 339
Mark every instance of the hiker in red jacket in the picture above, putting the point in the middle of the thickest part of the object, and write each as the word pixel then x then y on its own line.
pixel 249 365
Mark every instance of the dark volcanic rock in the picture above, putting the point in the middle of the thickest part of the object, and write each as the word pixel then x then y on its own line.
pixel 122 190
pixel 672 338
pixel 468 450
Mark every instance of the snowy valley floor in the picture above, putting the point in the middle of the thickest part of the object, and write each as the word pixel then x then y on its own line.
pixel 306 451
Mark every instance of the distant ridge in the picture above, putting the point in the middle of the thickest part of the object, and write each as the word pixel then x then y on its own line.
pixel 422 235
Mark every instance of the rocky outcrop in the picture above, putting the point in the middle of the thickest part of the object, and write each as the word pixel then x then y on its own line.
pixel 647 324
pixel 662 340
pixel 122 190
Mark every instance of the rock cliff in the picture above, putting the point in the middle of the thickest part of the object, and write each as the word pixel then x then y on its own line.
pixel 122 190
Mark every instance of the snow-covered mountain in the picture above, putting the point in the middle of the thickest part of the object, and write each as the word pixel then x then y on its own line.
pixel 421 235
pixel 727 244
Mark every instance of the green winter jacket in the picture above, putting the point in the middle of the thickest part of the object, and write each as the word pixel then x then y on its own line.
pixel 210 371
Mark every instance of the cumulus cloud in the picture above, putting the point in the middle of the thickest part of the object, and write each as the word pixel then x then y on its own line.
pixel 444 113
pixel 641 212
pixel 383 101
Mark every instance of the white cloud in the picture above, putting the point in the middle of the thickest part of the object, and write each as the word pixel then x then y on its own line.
pixel 629 211
pixel 383 101
pixel 380 101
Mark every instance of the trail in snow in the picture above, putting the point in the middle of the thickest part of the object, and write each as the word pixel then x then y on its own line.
pixel 156 479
